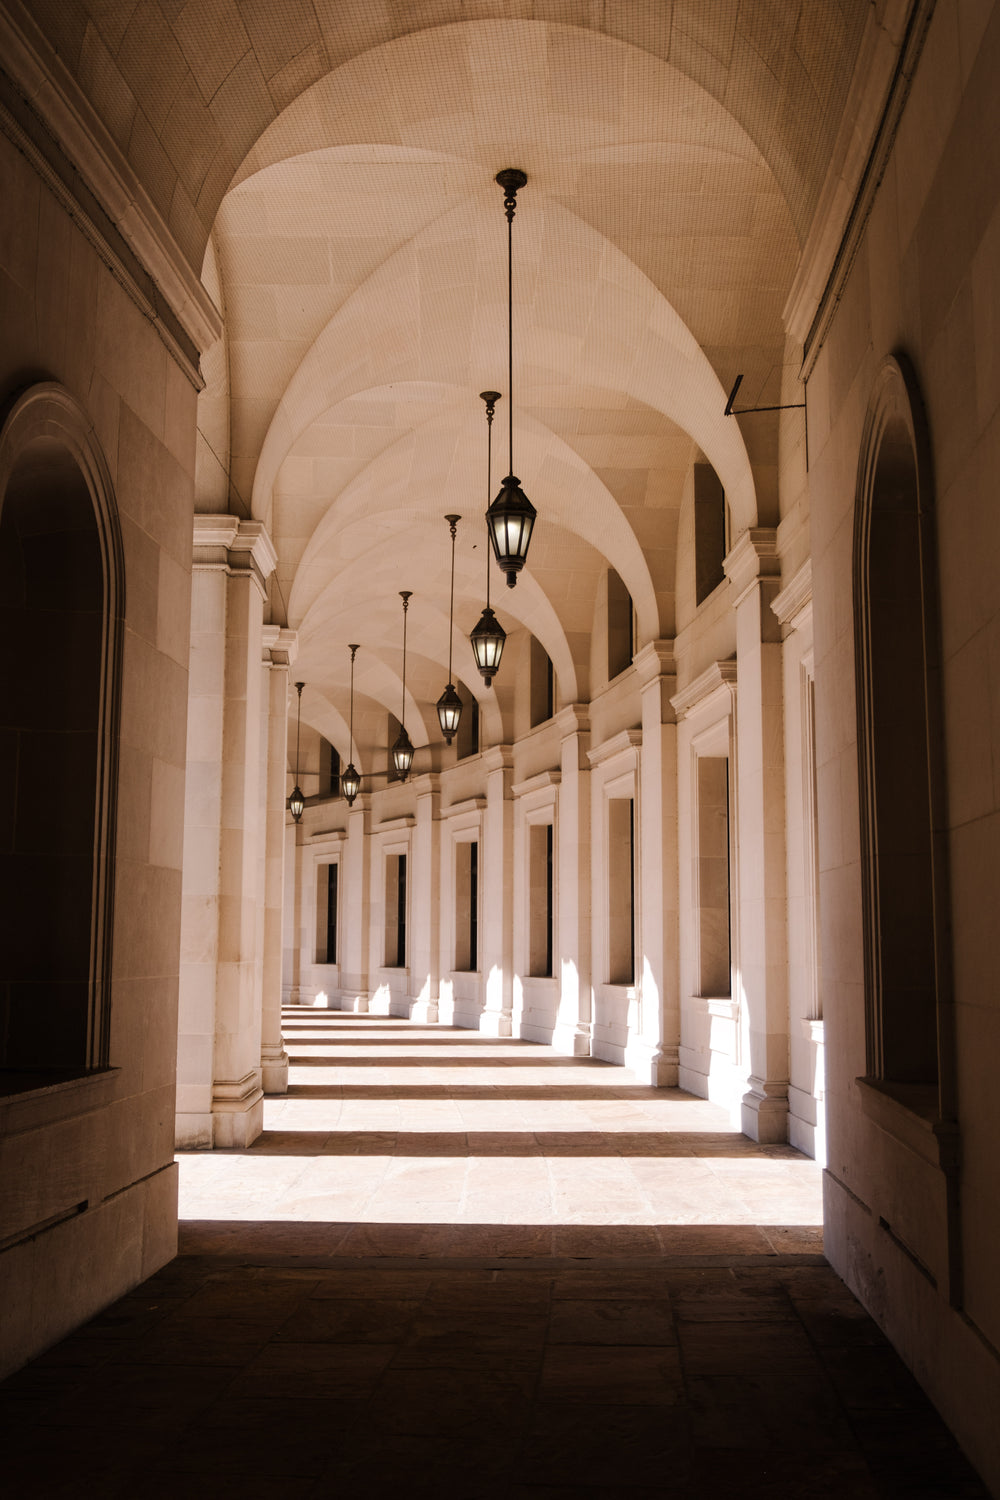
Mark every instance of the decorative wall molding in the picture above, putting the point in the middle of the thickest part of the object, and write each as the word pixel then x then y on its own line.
pixel 883 76
pixel 752 558
pixel 618 744
pixel 793 605
pixel 281 646
pixel 537 783
pixel 697 695
pixel 227 544
pixel 45 113
pixel 655 659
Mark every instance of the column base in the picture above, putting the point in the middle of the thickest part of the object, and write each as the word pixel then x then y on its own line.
pixel 496 1023
pixel 571 1041
pixel 427 1012
pixel 274 1073
pixel 652 1063
pixel 357 1004
pixel 237 1112
pixel 764 1112
pixel 193 1131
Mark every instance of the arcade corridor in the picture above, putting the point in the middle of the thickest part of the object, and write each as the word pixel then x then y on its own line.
pixel 462 1267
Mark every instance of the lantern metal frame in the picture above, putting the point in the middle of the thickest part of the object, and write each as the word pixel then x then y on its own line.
pixel 488 636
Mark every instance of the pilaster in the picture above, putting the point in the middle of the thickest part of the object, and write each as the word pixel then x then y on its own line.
pixel 220 1101
pixel 355 991
pixel 753 568
pixel 280 648
pixel 654 1053
pixel 425 909
pixel 497 955
pixel 573 1035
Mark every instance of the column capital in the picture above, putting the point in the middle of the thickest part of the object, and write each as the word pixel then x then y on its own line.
pixel 498 758
pixel 573 719
pixel 793 606
pixel 752 559
pixel 280 646
pixel 226 544
pixel 655 659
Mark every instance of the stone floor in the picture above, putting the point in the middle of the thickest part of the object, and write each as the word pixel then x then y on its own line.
pixel 462 1268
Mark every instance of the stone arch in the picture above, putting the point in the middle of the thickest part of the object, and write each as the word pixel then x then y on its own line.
pixel 64 593
pixel 904 860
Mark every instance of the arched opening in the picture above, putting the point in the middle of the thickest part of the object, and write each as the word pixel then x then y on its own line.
pixel 60 581
pixel 900 738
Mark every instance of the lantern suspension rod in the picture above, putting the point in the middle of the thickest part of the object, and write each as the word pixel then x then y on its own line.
pixel 404 594
pixel 298 729
pixel 491 398
pixel 354 651
pixel 510 180
pixel 453 525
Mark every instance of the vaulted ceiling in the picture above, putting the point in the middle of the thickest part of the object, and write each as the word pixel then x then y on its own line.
pixel 329 167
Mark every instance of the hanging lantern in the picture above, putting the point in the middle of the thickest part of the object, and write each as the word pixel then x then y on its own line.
pixel 350 781
pixel 489 635
pixel 297 802
pixel 511 517
pixel 402 750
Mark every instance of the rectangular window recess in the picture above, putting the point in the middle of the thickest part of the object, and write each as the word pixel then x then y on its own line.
pixel 908 1113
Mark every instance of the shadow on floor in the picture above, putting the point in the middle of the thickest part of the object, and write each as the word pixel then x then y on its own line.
pixel 458 1371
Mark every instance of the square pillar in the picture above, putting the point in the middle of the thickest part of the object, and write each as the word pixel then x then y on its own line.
pixel 496 960
pixel 279 650
pixel 355 983
pixel 573 1034
pixel 220 1101
pixel 754 571
pixel 654 1052
pixel 425 904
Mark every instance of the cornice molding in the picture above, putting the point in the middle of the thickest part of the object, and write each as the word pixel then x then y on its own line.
pixel 753 557
pixel 572 720
pixel 53 124
pixel 795 600
pixel 697 694
pixel 228 545
pixel 887 61
pixel 618 744
pixel 539 783
pixel 280 646
pixel 656 659
pixel 498 758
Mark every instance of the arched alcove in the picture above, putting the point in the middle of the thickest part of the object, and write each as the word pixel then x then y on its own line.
pixel 62 601
pixel 900 738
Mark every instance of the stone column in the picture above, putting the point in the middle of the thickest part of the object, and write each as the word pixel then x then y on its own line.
pixel 753 569
pixel 425 902
pixel 496 959
pixel 279 651
pixel 220 1101
pixel 573 1032
pixel 355 875
pixel 653 1053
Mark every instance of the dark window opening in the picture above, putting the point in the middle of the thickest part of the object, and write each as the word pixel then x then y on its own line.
pixel 709 531
pixel 331 913
pixel 621 626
